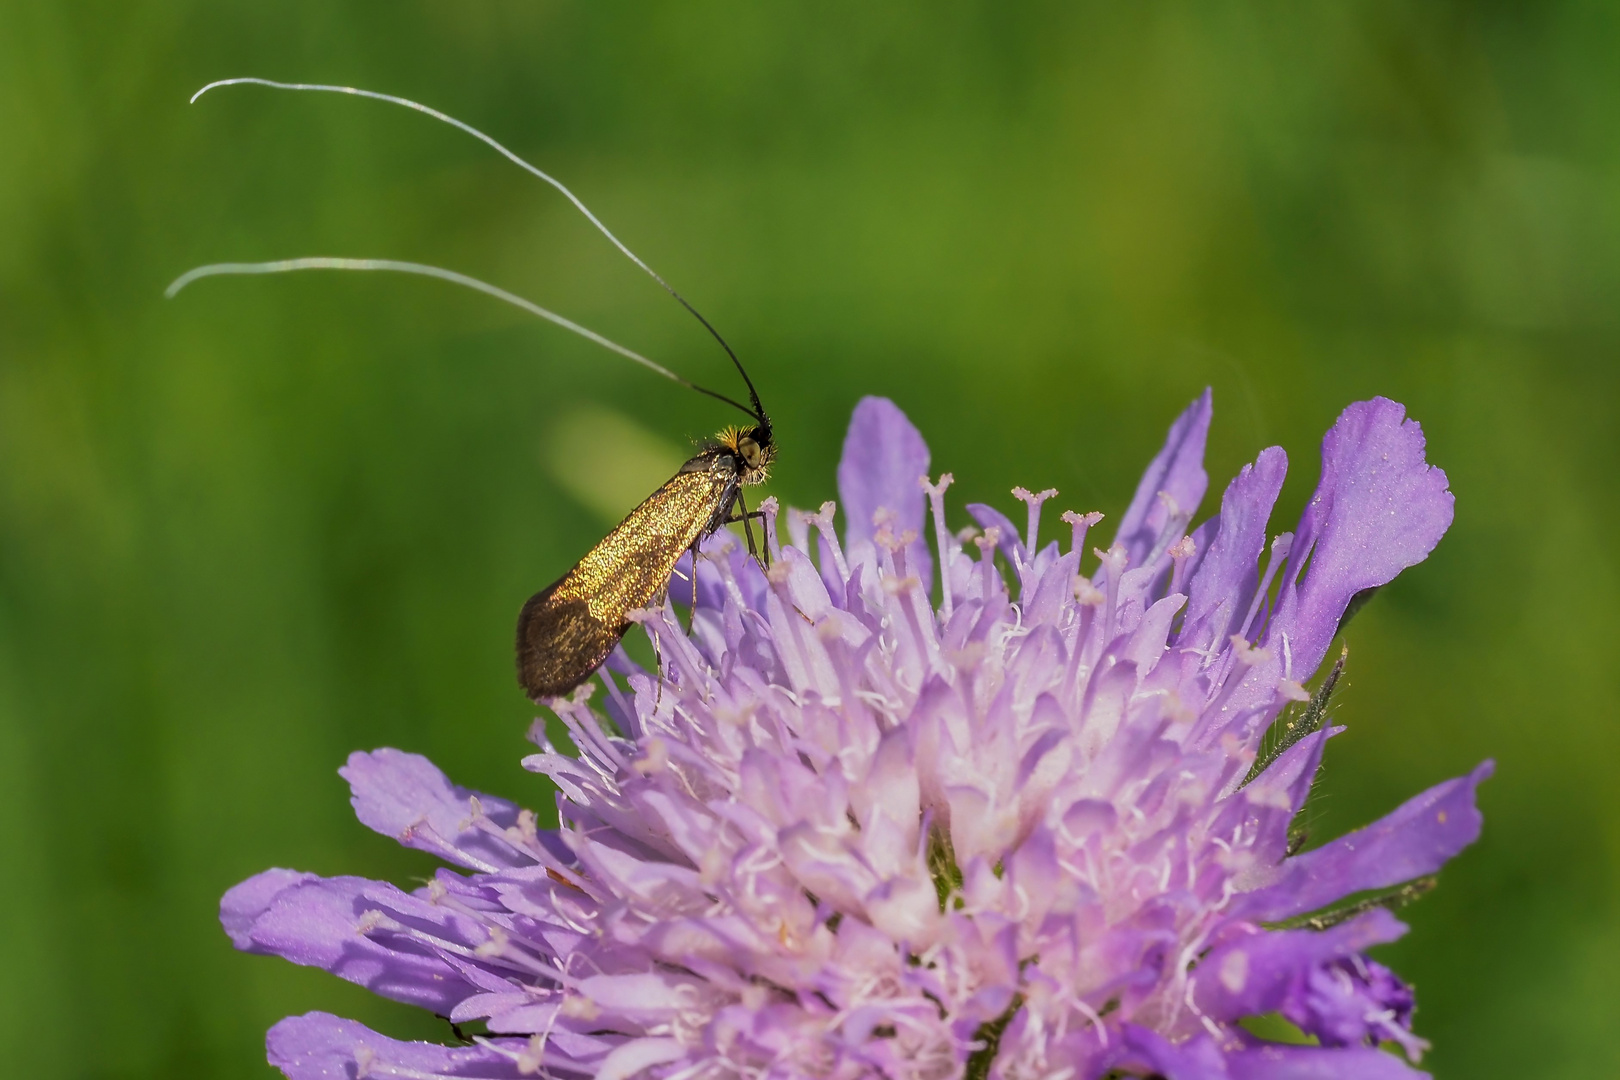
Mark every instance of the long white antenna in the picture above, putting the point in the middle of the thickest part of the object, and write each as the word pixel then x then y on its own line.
pixel 453 122
pixel 428 110
pixel 282 266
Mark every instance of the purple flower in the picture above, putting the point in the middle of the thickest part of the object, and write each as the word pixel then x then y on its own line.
pixel 850 832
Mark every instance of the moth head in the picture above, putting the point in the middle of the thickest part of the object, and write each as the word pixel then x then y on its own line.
pixel 752 448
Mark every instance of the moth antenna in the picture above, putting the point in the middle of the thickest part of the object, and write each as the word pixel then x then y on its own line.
pixel 283 266
pixel 757 412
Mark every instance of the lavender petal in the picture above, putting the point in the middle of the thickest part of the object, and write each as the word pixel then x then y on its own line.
pixel 884 459
pixel 1256 974
pixel 1378 509
pixel 1222 587
pixel 241 907
pixel 320 1046
pixel 1416 839
pixel 329 923
pixel 1318 1063
pixel 406 797
pixel 1009 541
pixel 1197 1058
pixel 1177 471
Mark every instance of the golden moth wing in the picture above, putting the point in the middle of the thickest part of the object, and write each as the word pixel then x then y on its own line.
pixel 560 643
pixel 567 630
pixel 633 563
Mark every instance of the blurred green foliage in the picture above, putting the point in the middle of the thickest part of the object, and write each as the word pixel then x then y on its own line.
pixel 247 531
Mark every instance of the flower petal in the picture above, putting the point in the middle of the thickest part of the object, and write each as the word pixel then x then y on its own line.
pixel 884 460
pixel 1197 1058
pixel 320 1046
pixel 405 796
pixel 332 923
pixel 1008 540
pixel 1178 471
pixel 241 907
pixel 1378 509
pixel 1414 840
pixel 1318 1063
pixel 1355 1001
pixel 639 1054
pixel 1222 587
pixel 1254 974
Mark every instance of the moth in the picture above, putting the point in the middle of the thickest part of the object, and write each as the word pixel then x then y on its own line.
pixel 567 630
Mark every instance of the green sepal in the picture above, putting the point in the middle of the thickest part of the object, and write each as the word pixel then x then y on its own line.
pixel 942 865
pixel 1394 898
pixel 1296 721
pixel 989 1033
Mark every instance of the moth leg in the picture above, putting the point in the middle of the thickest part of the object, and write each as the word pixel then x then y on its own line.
pixel 763 559
pixel 693 551
pixel 660 601
pixel 748 531
pixel 658 673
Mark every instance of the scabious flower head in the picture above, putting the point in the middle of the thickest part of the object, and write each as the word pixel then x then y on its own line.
pixel 849 831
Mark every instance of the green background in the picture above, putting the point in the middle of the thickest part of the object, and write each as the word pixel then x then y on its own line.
pixel 249 530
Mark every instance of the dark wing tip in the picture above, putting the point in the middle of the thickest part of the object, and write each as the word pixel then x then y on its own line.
pixel 559 644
